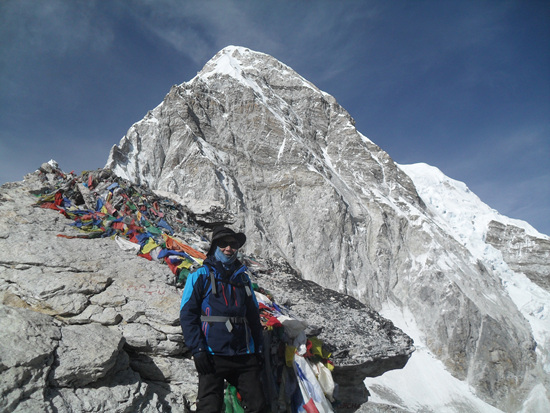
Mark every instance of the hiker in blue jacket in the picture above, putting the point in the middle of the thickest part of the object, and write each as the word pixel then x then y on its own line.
pixel 221 325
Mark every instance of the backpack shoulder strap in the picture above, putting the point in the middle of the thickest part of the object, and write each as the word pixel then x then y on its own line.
pixel 213 281
pixel 210 280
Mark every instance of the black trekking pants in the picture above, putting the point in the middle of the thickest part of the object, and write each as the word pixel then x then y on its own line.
pixel 243 372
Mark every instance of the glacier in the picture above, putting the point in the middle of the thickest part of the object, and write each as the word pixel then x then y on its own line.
pixel 424 384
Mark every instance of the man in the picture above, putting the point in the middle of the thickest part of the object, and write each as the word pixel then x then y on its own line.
pixel 221 325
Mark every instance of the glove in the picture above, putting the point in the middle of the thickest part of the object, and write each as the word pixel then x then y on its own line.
pixel 203 363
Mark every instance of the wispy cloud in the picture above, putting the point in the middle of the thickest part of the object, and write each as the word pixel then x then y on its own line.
pixel 55 26
pixel 197 28
pixel 509 171
pixel 460 85
pixel 315 35
pixel 34 31
pixel 527 145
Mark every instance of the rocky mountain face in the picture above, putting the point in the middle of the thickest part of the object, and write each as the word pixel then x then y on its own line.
pixel 524 253
pixel 86 325
pixel 250 134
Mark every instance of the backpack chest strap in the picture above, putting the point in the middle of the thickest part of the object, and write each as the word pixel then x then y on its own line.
pixel 222 319
pixel 229 321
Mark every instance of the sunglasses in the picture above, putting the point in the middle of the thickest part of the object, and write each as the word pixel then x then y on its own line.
pixel 224 243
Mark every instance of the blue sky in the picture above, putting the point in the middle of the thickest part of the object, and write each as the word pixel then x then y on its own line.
pixel 461 85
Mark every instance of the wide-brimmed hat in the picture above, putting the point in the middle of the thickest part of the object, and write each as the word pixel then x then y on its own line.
pixel 223 232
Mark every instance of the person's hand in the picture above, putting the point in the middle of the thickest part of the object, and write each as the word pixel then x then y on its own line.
pixel 203 363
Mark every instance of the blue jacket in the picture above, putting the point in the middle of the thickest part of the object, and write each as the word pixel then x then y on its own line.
pixel 235 298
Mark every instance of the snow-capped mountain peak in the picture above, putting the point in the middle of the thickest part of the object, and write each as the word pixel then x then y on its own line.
pixel 287 161
pixel 457 207
pixel 246 66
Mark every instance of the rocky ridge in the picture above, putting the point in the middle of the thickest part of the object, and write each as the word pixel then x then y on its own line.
pixel 87 326
pixel 250 133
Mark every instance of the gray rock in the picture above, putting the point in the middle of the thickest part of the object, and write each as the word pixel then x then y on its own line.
pixel 85 354
pixel 28 340
pixel 90 327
